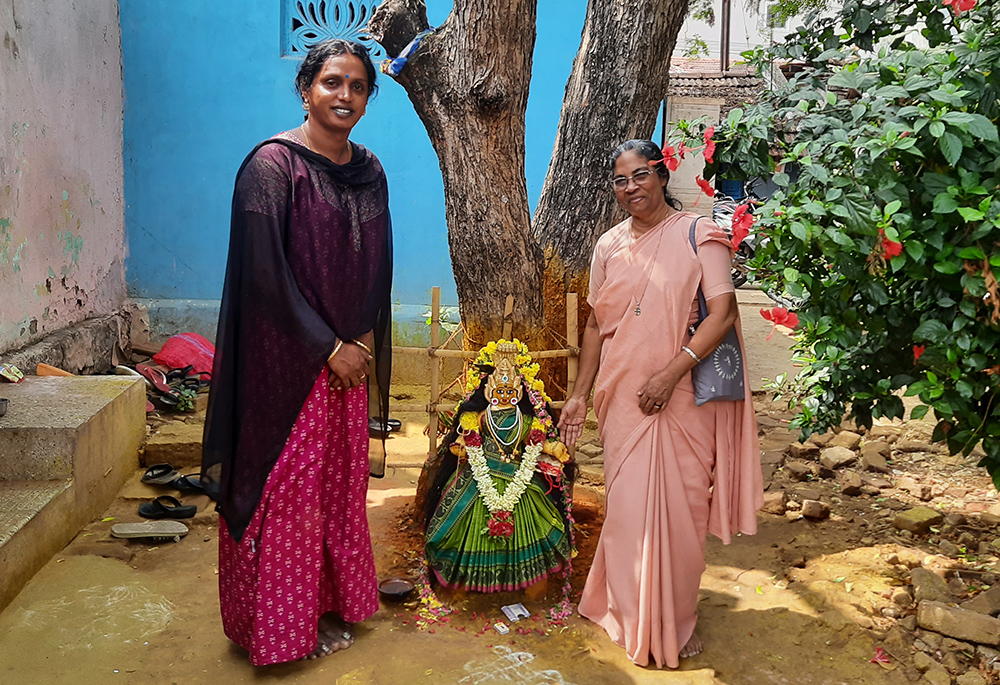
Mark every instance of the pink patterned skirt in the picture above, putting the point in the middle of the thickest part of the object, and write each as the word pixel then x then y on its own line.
pixel 307 550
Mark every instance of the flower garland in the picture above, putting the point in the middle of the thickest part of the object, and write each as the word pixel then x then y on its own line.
pixel 500 506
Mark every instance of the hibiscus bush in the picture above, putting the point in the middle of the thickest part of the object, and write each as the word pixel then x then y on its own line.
pixel 885 224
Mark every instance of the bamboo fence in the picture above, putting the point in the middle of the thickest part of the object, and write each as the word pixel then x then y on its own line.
pixel 437 353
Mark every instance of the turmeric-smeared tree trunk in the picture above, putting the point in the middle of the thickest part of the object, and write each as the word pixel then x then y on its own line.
pixel 469 85
pixel 614 92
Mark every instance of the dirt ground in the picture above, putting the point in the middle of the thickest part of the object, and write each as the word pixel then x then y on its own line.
pixel 804 602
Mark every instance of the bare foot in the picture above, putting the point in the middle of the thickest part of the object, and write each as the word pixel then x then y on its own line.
pixel 693 647
pixel 333 635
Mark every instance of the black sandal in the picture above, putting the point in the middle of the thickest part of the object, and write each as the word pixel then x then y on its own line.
pixel 189 483
pixel 167 507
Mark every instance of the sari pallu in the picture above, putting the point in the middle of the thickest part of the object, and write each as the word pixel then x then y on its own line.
pixel 670 477
pixel 310 263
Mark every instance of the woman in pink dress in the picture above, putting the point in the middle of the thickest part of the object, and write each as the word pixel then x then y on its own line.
pixel 673 470
pixel 305 312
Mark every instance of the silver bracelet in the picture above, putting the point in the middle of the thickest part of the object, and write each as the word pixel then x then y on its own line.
pixel 696 358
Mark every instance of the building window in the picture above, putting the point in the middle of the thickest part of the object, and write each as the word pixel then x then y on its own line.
pixel 307 22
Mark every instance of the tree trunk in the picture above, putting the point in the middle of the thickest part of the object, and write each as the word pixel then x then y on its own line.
pixel 614 92
pixel 469 82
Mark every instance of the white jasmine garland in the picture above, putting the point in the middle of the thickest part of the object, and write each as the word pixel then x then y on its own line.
pixel 493 500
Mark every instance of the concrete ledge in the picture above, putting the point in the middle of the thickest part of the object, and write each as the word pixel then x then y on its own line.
pixel 82 349
pixel 100 423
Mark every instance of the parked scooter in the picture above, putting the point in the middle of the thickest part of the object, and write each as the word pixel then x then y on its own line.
pixel 723 208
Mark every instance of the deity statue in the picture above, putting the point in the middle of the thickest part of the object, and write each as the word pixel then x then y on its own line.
pixel 498 512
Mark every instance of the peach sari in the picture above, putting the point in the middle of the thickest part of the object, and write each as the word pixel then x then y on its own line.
pixel 673 476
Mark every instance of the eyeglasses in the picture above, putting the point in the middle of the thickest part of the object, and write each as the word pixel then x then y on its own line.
pixel 640 177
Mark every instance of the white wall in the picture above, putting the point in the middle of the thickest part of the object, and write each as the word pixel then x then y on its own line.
pixel 61 209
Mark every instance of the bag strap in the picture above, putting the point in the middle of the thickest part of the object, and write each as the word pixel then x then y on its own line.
pixel 702 307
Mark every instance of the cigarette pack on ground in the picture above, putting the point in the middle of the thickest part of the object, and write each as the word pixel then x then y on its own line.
pixel 501 628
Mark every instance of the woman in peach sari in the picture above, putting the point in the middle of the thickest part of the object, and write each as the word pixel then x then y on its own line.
pixel 673 470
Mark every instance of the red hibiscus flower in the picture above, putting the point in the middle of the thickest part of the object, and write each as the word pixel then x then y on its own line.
pixel 779 316
pixel 670 159
pixel 742 218
pixel 683 149
pixel 705 186
pixel 709 150
pixel 536 437
pixel 890 247
pixel 960 5
pixel 473 440
pixel 917 351
pixel 499 525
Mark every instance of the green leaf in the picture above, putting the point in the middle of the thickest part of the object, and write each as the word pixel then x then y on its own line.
pixel 799 231
pixel 892 207
pixel 945 203
pixel 781 179
pixel 931 330
pixel 891 92
pixel 971 252
pixel 970 214
pixel 951 147
pixel 918 412
pixel 936 128
pixel 982 128
pixel 915 249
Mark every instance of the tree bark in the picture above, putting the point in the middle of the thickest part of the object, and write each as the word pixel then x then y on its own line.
pixel 468 83
pixel 618 81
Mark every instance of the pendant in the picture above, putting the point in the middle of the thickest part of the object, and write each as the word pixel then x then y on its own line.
pixel 637 310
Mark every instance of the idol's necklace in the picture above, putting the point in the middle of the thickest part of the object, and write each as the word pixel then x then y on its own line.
pixel 496 428
pixel 648 269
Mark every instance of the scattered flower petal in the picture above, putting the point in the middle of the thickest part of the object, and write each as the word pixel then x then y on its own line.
pixel 917 351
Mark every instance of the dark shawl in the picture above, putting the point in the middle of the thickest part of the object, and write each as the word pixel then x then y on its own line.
pixel 310 263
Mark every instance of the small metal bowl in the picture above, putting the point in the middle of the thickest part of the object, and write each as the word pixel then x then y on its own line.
pixel 396 589
pixel 3 405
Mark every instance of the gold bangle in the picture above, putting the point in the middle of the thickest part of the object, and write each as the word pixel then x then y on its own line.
pixel 362 346
pixel 336 349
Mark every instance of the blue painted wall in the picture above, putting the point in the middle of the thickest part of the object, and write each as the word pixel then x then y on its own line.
pixel 205 82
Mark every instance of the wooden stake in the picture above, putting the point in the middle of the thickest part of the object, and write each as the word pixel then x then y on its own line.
pixel 508 315
pixel 572 341
pixel 435 369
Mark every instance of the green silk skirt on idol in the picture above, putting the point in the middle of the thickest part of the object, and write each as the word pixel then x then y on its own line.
pixel 463 554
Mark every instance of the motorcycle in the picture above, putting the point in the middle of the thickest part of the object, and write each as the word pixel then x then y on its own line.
pixel 723 208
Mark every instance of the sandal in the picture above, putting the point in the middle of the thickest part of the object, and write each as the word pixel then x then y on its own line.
pixel 190 483
pixel 167 507
pixel 160 474
pixel 154 376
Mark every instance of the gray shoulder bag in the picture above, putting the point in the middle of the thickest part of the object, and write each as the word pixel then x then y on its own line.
pixel 719 376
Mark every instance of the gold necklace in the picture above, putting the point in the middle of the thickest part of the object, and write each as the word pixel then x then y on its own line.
pixel 309 145
pixel 652 257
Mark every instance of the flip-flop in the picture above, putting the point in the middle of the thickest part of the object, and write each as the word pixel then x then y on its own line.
pixel 190 482
pixel 171 398
pixel 167 507
pixel 175 374
pixel 149 529
pixel 154 376
pixel 160 474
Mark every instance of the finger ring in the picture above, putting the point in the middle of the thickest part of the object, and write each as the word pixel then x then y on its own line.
pixel 364 375
pixel 658 404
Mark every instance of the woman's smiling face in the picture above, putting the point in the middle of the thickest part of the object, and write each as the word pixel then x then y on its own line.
pixel 339 93
pixel 639 198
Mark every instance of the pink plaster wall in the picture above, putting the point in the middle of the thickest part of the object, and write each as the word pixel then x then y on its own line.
pixel 62 248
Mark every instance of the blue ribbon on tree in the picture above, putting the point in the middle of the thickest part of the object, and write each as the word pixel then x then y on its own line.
pixel 392 67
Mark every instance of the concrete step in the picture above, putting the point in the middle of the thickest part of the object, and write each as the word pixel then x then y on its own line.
pixel 177 442
pixel 21 500
pixel 67 445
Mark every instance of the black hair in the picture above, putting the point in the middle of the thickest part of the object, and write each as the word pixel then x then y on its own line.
pixel 651 151
pixel 320 52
